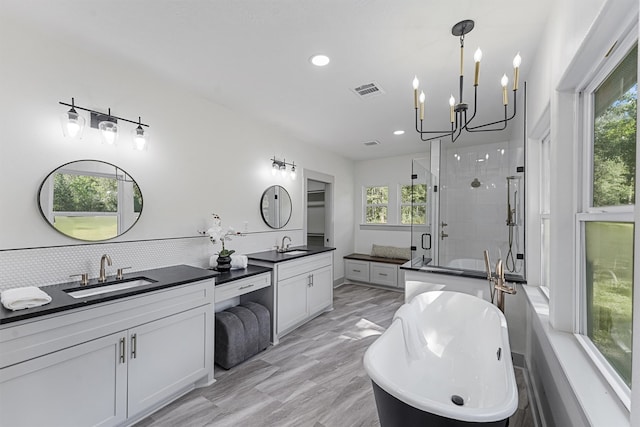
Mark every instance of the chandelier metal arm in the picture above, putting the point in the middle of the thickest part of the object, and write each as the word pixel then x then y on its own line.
pixel 421 132
pixel 480 128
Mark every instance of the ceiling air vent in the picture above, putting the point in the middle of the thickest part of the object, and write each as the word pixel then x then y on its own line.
pixel 368 90
pixel 372 142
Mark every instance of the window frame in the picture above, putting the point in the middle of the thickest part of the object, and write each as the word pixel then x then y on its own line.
pixel 588 213
pixel 411 203
pixel 366 205
pixel 545 208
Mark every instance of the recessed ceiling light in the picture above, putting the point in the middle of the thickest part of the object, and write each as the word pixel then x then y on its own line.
pixel 398 132
pixel 319 60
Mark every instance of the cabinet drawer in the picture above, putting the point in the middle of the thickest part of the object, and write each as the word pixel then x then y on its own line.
pixel 303 265
pixel 356 270
pixel 242 286
pixel 383 274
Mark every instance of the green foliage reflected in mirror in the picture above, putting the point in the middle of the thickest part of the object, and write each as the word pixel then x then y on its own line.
pixel 90 200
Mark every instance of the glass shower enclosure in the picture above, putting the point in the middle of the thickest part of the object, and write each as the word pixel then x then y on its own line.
pixel 424 211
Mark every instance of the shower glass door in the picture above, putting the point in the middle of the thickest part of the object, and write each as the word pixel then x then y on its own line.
pixel 423 212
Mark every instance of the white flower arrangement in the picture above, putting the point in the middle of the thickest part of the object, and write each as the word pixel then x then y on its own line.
pixel 218 234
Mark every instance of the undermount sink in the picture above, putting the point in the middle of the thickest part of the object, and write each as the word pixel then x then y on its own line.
pixel 295 252
pixel 103 289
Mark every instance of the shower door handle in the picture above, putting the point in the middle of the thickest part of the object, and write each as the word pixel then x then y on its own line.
pixel 423 245
pixel 443 235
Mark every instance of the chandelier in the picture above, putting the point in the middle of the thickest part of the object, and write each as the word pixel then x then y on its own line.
pixel 458 111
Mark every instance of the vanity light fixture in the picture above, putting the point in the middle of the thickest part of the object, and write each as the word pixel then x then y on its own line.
pixel 73 124
pixel 458 111
pixel 281 165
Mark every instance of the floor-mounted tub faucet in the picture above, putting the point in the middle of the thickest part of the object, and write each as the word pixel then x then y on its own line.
pixel 498 282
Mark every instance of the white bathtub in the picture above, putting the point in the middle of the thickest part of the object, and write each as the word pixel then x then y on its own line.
pixel 454 344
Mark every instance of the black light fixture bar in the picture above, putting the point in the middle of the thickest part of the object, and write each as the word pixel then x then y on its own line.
pixel 282 162
pixel 102 116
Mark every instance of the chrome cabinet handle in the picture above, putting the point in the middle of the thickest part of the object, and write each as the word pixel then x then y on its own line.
pixel 246 287
pixel 122 350
pixel 383 274
pixel 356 271
pixel 134 346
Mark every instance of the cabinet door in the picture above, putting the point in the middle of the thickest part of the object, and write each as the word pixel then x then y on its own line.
pixel 292 301
pixel 320 293
pixel 166 355
pixel 83 385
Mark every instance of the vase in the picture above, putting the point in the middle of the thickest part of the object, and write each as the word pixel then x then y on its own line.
pixel 224 264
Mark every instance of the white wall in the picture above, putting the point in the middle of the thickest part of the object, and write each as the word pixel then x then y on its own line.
pixel 382 172
pixel 203 158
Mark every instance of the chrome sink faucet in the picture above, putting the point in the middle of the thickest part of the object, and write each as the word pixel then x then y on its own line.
pixel 103 276
pixel 284 248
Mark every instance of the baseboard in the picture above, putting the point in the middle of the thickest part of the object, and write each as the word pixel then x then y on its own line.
pixel 534 398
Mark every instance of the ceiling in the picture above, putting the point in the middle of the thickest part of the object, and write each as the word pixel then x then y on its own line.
pixel 253 56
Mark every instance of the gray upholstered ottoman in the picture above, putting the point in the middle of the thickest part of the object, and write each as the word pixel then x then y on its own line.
pixel 241 332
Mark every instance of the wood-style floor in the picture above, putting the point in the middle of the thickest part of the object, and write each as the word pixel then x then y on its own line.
pixel 314 377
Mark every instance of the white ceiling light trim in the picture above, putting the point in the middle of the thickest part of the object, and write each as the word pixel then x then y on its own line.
pixel 320 60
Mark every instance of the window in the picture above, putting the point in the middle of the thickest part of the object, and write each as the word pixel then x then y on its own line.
pixel 606 221
pixel 545 215
pixel 413 204
pixel 376 205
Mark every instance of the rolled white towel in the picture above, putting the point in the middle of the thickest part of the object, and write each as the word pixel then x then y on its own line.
pixel 21 298
pixel 239 261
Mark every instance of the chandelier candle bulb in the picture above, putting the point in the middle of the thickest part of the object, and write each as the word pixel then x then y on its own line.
pixel 422 97
pixel 516 70
pixel 504 81
pixel 452 102
pixel 477 57
pixel 416 83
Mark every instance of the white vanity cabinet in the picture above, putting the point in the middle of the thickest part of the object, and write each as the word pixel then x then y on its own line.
pixel 109 364
pixel 303 288
pixel 83 385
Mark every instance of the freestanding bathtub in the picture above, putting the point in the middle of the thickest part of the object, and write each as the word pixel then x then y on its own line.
pixel 444 361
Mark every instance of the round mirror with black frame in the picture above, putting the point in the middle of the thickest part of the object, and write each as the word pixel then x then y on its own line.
pixel 275 206
pixel 90 200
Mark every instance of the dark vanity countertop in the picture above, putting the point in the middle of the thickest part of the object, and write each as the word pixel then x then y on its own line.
pixel 275 256
pixel 165 277
pixel 251 270
pixel 475 274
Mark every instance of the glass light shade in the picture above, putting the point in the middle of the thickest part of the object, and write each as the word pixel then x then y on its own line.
pixel 274 168
pixel 140 139
pixel 283 170
pixel 72 124
pixel 416 82
pixel 293 173
pixel 109 132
